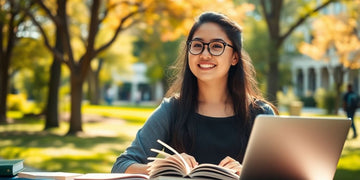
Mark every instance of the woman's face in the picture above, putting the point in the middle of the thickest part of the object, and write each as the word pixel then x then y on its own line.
pixel 208 67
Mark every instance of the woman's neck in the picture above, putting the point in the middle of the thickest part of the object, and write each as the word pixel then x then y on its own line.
pixel 214 100
pixel 212 93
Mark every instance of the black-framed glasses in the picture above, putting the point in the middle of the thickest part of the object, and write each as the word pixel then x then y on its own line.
pixel 215 48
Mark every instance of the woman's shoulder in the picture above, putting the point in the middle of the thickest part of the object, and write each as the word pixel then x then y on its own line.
pixel 169 101
pixel 167 104
pixel 264 107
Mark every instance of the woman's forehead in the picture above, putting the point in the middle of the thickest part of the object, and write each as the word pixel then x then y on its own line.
pixel 210 31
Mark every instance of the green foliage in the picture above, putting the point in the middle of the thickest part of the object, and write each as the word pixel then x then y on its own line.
pixel 16 102
pixel 285 99
pixel 34 84
pixel 320 97
pixel 255 43
pixel 19 103
pixel 326 100
pixel 29 53
pixel 156 54
pixel 285 74
pixel 31 60
pixel 330 101
pixel 309 101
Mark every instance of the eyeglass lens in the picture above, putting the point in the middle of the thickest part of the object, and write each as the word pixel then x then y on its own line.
pixel 215 48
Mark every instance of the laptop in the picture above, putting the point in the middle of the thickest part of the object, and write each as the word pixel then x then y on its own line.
pixel 292 147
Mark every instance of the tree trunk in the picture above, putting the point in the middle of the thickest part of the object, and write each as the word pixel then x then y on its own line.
pixel 52 115
pixel 76 98
pixel 94 89
pixel 273 74
pixel 94 83
pixel 4 86
pixel 5 64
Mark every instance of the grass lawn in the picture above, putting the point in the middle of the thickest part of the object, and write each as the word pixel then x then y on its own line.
pixel 102 141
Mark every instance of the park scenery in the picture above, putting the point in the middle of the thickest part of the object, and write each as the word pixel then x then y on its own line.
pixel 79 78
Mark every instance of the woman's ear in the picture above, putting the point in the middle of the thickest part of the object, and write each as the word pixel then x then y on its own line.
pixel 235 59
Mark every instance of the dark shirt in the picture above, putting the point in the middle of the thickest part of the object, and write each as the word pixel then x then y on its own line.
pixel 213 137
pixel 216 137
pixel 351 101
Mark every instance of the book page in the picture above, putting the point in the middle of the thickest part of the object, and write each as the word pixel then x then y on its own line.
pixel 162 167
pixel 111 176
pixel 187 167
pixel 213 171
pixel 53 175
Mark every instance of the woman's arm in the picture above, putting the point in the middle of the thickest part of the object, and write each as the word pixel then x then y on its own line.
pixel 137 169
pixel 156 127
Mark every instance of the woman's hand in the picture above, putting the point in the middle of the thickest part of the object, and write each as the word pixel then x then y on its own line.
pixel 231 163
pixel 190 160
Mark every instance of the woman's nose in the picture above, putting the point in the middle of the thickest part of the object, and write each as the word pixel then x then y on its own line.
pixel 205 53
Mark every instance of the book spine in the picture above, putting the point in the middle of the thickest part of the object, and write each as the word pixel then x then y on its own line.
pixel 6 171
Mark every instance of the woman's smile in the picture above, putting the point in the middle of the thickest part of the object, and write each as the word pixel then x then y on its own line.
pixel 206 66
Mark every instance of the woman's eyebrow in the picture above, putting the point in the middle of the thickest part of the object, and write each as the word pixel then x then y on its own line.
pixel 217 40
pixel 198 39
pixel 212 40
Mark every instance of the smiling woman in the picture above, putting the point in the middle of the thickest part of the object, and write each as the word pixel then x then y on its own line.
pixel 212 102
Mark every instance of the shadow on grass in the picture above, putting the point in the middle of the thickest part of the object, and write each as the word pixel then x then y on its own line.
pixel 91 164
pixel 346 174
pixel 45 139
pixel 349 163
pixel 49 151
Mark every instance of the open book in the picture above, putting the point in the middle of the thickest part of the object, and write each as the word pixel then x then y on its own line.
pixel 172 166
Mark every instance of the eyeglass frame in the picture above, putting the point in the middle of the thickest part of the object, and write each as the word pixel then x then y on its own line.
pixel 208 47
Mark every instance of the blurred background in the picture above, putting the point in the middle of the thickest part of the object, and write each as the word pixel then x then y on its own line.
pixel 83 75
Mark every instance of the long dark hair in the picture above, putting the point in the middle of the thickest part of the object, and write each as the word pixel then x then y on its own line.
pixel 241 84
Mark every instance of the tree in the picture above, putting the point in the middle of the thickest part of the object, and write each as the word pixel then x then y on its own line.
pixel 338 35
pixel 272 13
pixel 79 64
pixel 11 17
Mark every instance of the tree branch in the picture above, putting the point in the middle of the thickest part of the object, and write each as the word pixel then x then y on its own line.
pixel 63 25
pixel 272 16
pixel 12 31
pixel 23 16
pixel 47 11
pixel 46 39
pixel 118 29
pixel 302 19
pixel 93 29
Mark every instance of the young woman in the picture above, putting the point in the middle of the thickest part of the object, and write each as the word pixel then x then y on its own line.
pixel 210 108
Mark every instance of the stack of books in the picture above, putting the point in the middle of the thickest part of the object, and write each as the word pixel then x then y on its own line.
pixel 10 168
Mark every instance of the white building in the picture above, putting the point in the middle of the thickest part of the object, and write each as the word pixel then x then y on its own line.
pixel 135 87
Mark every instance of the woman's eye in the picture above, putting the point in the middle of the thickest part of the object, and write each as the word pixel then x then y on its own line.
pixel 217 46
pixel 197 45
